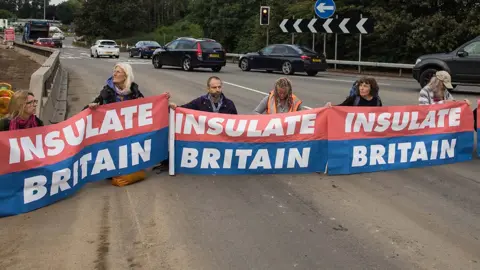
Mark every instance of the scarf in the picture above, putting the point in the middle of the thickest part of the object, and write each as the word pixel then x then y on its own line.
pixel 19 123
pixel 122 94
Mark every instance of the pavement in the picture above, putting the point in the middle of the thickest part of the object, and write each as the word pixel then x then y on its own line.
pixel 425 218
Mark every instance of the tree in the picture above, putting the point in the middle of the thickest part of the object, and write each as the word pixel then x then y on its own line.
pixel 5 14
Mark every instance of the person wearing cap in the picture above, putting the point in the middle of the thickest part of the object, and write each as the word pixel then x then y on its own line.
pixel 437 92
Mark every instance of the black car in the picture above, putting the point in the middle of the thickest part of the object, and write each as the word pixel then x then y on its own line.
pixel 190 53
pixel 144 49
pixel 58 42
pixel 463 65
pixel 286 58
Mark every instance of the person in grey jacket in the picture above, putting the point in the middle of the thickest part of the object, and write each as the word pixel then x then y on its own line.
pixel 436 92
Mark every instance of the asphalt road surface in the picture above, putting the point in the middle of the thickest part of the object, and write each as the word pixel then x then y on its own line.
pixel 427 218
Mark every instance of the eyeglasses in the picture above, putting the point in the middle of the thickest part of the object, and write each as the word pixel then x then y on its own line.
pixel 32 101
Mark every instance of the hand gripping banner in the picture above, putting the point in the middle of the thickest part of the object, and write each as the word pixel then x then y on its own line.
pixel 212 143
pixel 46 164
pixel 398 137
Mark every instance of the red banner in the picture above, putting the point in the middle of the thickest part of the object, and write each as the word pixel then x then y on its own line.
pixel 9 34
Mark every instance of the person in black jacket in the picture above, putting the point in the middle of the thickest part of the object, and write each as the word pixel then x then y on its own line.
pixel 365 93
pixel 21 112
pixel 119 87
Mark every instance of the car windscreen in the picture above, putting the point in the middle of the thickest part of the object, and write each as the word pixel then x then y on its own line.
pixel 151 43
pixel 111 43
pixel 302 49
pixel 210 45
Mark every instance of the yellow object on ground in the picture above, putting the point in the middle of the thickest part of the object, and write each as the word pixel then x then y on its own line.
pixel 128 179
pixel 5 96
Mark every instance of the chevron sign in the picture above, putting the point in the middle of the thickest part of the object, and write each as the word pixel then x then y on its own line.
pixel 330 25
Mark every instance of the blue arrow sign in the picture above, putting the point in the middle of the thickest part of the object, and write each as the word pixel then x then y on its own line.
pixel 324 8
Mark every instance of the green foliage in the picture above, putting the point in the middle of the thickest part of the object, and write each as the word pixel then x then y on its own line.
pixel 403 29
pixel 5 14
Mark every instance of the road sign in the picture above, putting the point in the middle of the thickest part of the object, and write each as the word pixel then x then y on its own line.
pixel 9 34
pixel 330 25
pixel 325 8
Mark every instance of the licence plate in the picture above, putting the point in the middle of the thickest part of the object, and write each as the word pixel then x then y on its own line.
pixel 315 60
pixel 214 55
pixel 108 53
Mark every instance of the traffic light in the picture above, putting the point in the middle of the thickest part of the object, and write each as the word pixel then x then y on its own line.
pixel 264 15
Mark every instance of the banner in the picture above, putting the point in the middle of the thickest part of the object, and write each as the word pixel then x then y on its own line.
pixel 478 126
pixel 398 137
pixel 212 143
pixel 45 164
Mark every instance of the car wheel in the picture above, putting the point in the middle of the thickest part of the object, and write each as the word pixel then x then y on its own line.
pixel 312 73
pixel 187 64
pixel 216 69
pixel 97 55
pixel 426 76
pixel 244 65
pixel 141 55
pixel 287 68
pixel 130 54
pixel 156 62
pixel 117 56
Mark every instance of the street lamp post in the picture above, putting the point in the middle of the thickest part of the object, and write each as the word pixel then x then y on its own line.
pixel 44 9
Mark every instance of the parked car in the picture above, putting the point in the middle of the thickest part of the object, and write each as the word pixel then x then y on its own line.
pixel 190 53
pixel 45 42
pixel 462 63
pixel 286 58
pixel 144 49
pixel 105 47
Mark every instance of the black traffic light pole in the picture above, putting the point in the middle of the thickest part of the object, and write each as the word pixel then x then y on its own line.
pixel 265 19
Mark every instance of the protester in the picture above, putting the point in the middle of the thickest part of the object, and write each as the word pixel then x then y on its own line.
pixel 366 94
pixel 214 101
pixel 119 87
pixel 280 100
pixel 437 92
pixel 21 112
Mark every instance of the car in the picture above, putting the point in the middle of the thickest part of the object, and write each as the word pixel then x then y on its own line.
pixel 462 63
pixel 287 58
pixel 190 53
pixel 144 49
pixel 105 47
pixel 57 41
pixel 58 35
pixel 45 42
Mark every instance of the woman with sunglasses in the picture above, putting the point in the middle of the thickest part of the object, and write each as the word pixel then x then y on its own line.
pixel 21 112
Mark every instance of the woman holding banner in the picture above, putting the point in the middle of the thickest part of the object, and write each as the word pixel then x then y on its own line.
pixel 365 94
pixel 21 112
pixel 436 92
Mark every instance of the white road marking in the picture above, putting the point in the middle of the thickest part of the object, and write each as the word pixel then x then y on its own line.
pixel 255 91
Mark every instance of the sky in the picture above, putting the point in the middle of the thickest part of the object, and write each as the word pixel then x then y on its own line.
pixel 56 2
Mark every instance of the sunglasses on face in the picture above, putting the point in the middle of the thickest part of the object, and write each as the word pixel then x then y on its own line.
pixel 32 101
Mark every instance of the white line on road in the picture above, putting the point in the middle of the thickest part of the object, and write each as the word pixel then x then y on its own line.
pixel 256 91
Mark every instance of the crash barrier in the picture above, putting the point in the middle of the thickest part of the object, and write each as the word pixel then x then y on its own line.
pixel 47 164
pixel 49 83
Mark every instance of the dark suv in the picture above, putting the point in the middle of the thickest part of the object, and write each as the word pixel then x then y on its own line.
pixel 190 53
pixel 463 64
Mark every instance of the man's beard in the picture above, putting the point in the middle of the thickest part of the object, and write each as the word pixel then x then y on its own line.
pixel 215 95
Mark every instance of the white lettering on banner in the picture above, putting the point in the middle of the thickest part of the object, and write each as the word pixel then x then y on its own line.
pixel 84 129
pixel 378 154
pixel 209 158
pixel 244 127
pixel 380 122
pixel 36 187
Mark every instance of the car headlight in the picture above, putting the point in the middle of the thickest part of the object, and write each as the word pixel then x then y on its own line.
pixel 418 61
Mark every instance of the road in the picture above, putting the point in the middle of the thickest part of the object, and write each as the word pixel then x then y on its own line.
pixel 427 218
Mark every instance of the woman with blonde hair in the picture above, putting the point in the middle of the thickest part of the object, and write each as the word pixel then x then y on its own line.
pixel 21 112
pixel 119 87
pixel 436 91
pixel 280 100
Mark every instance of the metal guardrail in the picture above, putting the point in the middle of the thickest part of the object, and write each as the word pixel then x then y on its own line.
pixel 49 83
pixel 236 57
